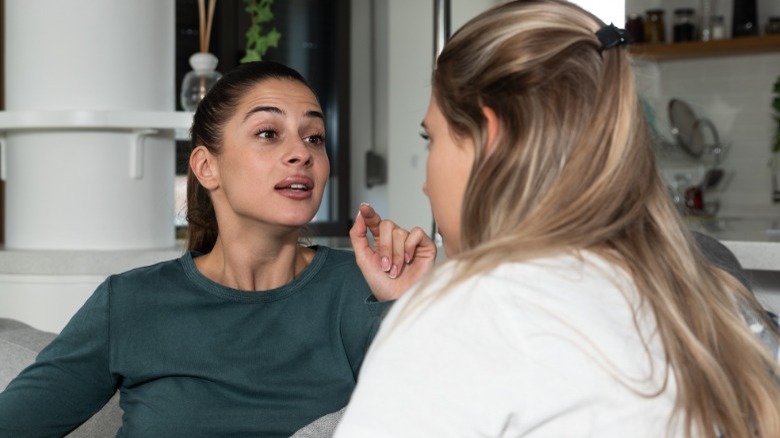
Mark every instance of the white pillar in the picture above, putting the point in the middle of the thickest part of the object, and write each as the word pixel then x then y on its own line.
pixel 74 187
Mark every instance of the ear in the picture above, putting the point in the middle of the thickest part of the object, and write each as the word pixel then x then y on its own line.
pixel 492 127
pixel 204 167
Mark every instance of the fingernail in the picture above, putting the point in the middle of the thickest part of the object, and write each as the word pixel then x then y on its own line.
pixel 365 203
pixel 407 258
pixel 394 271
pixel 385 264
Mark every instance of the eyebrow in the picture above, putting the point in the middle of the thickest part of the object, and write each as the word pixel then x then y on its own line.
pixel 276 110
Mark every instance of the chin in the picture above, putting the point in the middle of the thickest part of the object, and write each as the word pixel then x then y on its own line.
pixel 297 222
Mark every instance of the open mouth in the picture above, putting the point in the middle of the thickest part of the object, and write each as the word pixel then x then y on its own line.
pixel 301 187
pixel 294 187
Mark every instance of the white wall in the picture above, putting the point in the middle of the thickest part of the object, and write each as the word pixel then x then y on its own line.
pixel 736 94
pixel 609 11
pixel 402 46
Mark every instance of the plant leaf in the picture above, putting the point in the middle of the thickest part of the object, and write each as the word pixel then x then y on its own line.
pixel 257 43
pixel 273 38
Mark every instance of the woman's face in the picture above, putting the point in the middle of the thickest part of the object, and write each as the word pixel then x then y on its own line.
pixel 447 171
pixel 272 164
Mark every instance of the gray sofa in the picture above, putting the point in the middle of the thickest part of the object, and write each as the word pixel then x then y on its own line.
pixel 19 344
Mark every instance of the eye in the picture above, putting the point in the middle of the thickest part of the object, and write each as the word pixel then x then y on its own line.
pixel 317 139
pixel 267 133
pixel 426 137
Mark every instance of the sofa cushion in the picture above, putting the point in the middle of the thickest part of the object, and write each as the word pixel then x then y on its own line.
pixel 19 345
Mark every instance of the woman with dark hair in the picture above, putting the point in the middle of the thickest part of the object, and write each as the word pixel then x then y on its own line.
pixel 249 333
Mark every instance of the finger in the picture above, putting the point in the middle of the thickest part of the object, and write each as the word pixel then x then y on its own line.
pixel 371 218
pixel 384 244
pixel 418 241
pixel 357 235
pixel 399 239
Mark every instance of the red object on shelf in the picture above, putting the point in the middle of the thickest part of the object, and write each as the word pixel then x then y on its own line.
pixel 694 198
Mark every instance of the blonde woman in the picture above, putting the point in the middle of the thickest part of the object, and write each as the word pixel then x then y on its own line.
pixel 575 301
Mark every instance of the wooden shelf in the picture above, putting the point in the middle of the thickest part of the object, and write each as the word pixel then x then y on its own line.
pixel 707 49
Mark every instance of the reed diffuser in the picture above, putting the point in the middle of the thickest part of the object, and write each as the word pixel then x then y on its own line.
pixel 203 75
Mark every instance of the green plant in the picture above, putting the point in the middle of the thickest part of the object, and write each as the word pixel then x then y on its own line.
pixel 776 107
pixel 257 42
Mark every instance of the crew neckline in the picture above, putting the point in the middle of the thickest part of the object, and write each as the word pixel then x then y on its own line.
pixel 260 296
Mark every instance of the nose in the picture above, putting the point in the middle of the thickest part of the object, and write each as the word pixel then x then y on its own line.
pixel 299 154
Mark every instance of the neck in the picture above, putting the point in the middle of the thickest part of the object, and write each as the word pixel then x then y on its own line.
pixel 256 265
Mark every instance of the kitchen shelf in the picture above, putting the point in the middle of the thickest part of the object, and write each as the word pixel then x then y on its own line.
pixel 707 49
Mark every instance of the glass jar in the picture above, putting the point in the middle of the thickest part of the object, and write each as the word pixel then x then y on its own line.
pixel 635 25
pixel 773 26
pixel 684 29
pixel 718 27
pixel 655 29
pixel 706 17
pixel 744 18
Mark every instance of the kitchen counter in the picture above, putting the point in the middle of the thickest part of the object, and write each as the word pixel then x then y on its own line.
pixel 755 242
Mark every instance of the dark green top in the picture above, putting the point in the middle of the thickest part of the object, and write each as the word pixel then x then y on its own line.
pixel 193 358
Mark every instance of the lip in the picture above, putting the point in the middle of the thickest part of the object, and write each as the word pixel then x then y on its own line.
pixel 284 187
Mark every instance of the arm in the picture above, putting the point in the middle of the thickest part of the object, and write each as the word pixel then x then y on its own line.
pixel 401 257
pixel 69 381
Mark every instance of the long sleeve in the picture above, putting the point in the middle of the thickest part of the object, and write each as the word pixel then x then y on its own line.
pixel 361 319
pixel 69 381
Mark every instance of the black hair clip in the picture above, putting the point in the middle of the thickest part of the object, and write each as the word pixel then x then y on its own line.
pixel 611 36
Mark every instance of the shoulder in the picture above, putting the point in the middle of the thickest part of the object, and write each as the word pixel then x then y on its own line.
pixel 158 274
pixel 338 265
pixel 337 258
pixel 520 296
pixel 164 266
pixel 551 277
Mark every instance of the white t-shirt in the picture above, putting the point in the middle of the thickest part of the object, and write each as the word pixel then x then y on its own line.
pixel 548 348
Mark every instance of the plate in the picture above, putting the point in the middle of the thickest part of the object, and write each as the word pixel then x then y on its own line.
pixel 704 136
pixel 683 119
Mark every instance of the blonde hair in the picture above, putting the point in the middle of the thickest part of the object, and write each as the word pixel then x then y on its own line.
pixel 573 168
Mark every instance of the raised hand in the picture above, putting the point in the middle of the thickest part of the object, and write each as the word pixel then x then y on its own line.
pixel 400 259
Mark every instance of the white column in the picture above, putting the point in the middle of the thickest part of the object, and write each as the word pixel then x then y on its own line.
pixel 89 187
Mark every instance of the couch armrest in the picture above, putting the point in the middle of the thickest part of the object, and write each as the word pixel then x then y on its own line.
pixel 19 345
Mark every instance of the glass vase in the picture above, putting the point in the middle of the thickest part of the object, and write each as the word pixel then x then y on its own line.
pixel 200 80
